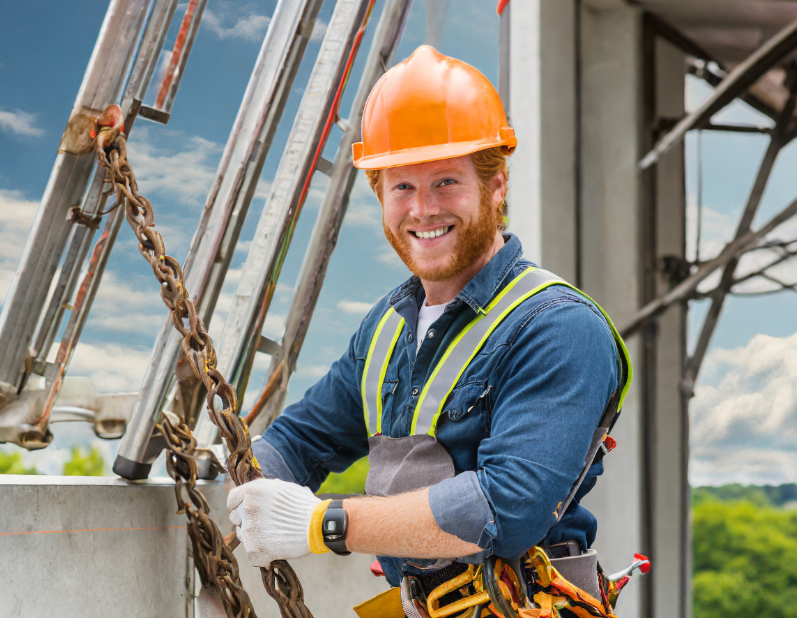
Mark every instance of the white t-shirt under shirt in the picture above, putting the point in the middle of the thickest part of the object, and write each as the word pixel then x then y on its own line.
pixel 426 317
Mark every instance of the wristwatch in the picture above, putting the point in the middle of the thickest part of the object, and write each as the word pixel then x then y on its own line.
pixel 334 528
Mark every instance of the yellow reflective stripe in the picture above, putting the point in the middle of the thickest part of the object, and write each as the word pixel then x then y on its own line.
pixel 450 349
pixel 493 326
pixel 368 359
pixel 382 373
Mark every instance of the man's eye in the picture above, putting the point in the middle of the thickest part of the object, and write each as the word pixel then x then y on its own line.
pixel 404 186
pixel 446 182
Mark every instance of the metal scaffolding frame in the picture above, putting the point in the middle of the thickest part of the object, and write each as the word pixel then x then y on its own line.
pixel 213 245
pixel 687 277
pixel 661 134
pixel 130 44
pixel 120 71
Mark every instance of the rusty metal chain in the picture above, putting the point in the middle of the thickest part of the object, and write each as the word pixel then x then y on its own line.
pixel 212 556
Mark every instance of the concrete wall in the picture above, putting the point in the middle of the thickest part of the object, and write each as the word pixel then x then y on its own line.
pixel 99 547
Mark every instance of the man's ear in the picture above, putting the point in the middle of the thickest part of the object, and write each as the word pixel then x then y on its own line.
pixel 498 187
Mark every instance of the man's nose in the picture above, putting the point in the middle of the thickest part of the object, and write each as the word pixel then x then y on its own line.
pixel 424 206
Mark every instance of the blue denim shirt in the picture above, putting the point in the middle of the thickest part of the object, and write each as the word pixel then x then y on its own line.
pixel 518 424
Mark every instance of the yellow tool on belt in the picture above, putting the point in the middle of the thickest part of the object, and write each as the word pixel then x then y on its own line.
pixel 501 588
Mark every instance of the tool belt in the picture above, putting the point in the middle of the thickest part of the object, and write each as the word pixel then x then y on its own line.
pixel 555 581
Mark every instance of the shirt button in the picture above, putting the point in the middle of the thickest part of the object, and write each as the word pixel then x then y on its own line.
pixel 415 391
pixel 410 338
pixel 430 334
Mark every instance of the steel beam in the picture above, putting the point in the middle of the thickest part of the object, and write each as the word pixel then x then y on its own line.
pixel 736 82
pixel 776 144
pixel 330 217
pixel 316 114
pixel 227 204
pixel 687 287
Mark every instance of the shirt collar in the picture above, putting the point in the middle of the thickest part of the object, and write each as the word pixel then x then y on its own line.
pixel 480 290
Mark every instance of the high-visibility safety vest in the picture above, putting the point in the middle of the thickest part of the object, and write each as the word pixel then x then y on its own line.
pixel 456 358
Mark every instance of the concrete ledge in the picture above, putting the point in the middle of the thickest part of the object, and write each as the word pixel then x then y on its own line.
pixel 88 547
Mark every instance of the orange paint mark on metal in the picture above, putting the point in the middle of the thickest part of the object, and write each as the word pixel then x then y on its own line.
pixel 89 530
pixel 179 44
pixel 501 6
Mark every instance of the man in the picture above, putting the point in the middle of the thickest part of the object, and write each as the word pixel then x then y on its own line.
pixel 476 388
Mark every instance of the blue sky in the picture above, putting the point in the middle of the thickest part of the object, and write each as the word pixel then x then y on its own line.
pixel 175 165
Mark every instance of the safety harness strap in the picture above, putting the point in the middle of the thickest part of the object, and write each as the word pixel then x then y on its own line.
pixel 381 349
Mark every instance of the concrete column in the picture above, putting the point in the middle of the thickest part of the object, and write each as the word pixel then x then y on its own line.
pixel 668 422
pixel 582 210
pixel 611 265
pixel 542 197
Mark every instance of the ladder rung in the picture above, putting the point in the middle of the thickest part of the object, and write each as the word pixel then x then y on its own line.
pixel 324 166
pixel 267 346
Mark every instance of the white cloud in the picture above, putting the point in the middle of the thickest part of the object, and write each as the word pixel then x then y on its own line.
pixel 16 217
pixel 311 372
pixel 364 214
pixel 247 27
pixel 354 306
pixel 744 414
pixel 123 306
pixel 364 208
pixel 319 30
pixel 20 123
pixel 179 166
pixel 718 229
pixel 390 257
pixel 112 367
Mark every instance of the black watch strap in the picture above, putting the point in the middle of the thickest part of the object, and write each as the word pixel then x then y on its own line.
pixel 334 528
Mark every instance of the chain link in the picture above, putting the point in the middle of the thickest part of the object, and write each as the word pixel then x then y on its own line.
pixel 213 557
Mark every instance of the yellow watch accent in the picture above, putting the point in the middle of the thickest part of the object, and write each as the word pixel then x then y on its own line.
pixel 315 537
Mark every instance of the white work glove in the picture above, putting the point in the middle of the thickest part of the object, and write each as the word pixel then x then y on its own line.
pixel 272 519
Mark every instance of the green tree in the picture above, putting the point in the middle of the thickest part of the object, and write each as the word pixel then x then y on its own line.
pixel 745 560
pixel 352 481
pixel 11 463
pixel 82 464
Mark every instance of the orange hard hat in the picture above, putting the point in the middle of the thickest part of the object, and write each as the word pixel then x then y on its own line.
pixel 430 107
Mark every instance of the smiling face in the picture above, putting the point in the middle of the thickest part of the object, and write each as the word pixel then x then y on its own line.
pixel 441 217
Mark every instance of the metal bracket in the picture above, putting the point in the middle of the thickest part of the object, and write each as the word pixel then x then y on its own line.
pixel 155 115
pixel 76 215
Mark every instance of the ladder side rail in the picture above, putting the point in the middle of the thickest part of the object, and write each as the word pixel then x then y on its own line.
pixel 33 409
pixel 242 328
pixel 228 201
pixel 65 189
pixel 144 65
pixel 330 217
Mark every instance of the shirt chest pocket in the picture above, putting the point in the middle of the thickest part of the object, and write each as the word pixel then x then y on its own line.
pixel 470 404
pixel 388 393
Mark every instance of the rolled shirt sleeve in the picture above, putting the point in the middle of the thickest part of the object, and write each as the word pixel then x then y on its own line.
pixel 551 389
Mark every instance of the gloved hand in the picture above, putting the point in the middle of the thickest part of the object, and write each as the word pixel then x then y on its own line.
pixel 273 520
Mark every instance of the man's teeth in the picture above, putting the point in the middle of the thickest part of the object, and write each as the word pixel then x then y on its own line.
pixel 433 233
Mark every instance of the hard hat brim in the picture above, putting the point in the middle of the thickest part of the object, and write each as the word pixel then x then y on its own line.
pixel 425 154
